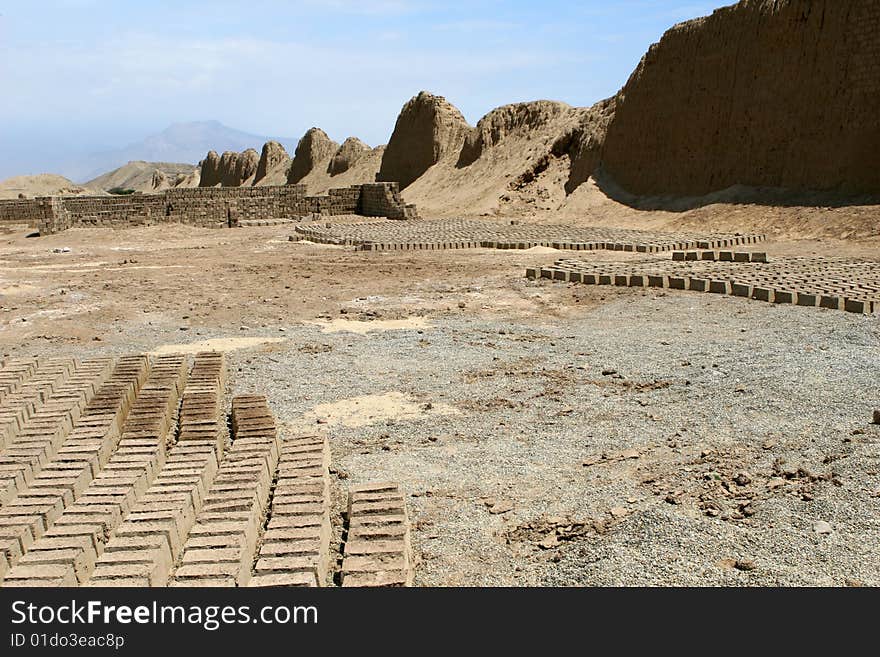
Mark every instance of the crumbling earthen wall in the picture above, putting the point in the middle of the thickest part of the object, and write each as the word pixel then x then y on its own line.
pixel 207 207
pixel 778 93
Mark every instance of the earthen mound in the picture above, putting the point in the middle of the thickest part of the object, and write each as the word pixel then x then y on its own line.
pixel 351 151
pixel 245 167
pixel 427 129
pixel 314 148
pixel 781 93
pixel 272 158
pixel 518 118
pixel 210 168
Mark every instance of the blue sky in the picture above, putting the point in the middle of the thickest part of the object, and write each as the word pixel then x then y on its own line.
pixel 87 75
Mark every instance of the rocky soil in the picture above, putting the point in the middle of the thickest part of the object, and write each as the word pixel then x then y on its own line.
pixel 545 433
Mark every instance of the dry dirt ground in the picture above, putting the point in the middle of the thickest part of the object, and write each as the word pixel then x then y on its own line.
pixel 545 433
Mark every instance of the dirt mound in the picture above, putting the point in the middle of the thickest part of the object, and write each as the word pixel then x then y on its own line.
pixel 362 170
pixel 142 176
pixel 44 184
pixel 427 130
pixel 519 118
pixel 584 143
pixel 273 157
pixel 246 164
pixel 210 170
pixel 351 150
pixel 781 93
pixel 313 149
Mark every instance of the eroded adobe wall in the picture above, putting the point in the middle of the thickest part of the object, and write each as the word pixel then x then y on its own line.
pixel 208 207
pixel 781 93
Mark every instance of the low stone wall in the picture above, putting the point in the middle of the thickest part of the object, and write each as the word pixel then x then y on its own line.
pixel 204 206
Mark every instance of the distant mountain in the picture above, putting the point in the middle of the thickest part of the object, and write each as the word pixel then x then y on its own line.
pixel 146 177
pixel 180 142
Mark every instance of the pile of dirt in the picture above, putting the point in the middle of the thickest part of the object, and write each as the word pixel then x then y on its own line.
pixel 144 176
pixel 427 130
pixel 231 169
pixel 313 149
pixel 274 158
pixel 351 151
pixel 44 184
pixel 210 170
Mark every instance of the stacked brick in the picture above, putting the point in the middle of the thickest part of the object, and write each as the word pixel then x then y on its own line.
pixel 37 437
pixel 470 234
pixel 832 283
pixel 220 548
pixel 66 553
pixel 295 549
pixel 384 200
pixel 377 549
pixel 146 543
pixel 720 256
pixel 81 456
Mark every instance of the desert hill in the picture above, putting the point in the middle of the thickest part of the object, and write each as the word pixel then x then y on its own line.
pixel 145 177
pixel 46 184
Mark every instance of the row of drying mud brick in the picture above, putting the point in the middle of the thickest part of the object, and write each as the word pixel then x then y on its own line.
pixel 204 206
pixel 721 256
pixel 111 491
pixel 731 287
pixel 469 234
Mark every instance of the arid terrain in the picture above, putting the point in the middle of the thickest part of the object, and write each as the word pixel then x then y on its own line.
pixel 544 433
pixel 628 344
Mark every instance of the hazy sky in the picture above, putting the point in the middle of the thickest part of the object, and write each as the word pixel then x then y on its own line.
pixel 80 76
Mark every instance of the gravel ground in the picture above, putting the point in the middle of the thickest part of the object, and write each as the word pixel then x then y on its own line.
pixel 568 435
pixel 531 481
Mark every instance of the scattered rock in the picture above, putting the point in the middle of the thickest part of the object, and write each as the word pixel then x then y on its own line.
pixel 822 527
pixel 501 506
pixel 743 479
pixel 744 565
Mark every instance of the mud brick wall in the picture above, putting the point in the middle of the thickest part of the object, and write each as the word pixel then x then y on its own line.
pixel 141 209
pixel 16 212
pixel 208 207
pixel 384 200
pixel 780 93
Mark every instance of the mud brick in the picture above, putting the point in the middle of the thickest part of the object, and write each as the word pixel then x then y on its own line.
pixel 725 256
pixel 857 306
pixel 678 255
pixel 763 294
pixel 604 279
pixel 759 256
pixel 677 282
pixel 741 256
pixel 284 579
pixel 637 280
pixel 719 287
pixel 658 281
pixel 783 296
pixel 698 284
pixel 385 578
pixel 828 301
pixel 807 299
pixel 53 575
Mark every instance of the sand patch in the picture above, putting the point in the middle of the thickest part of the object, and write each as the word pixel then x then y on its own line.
pixel 18 289
pixel 214 344
pixel 539 249
pixel 362 328
pixel 369 409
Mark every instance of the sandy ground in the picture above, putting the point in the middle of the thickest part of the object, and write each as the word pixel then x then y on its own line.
pixel 546 434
